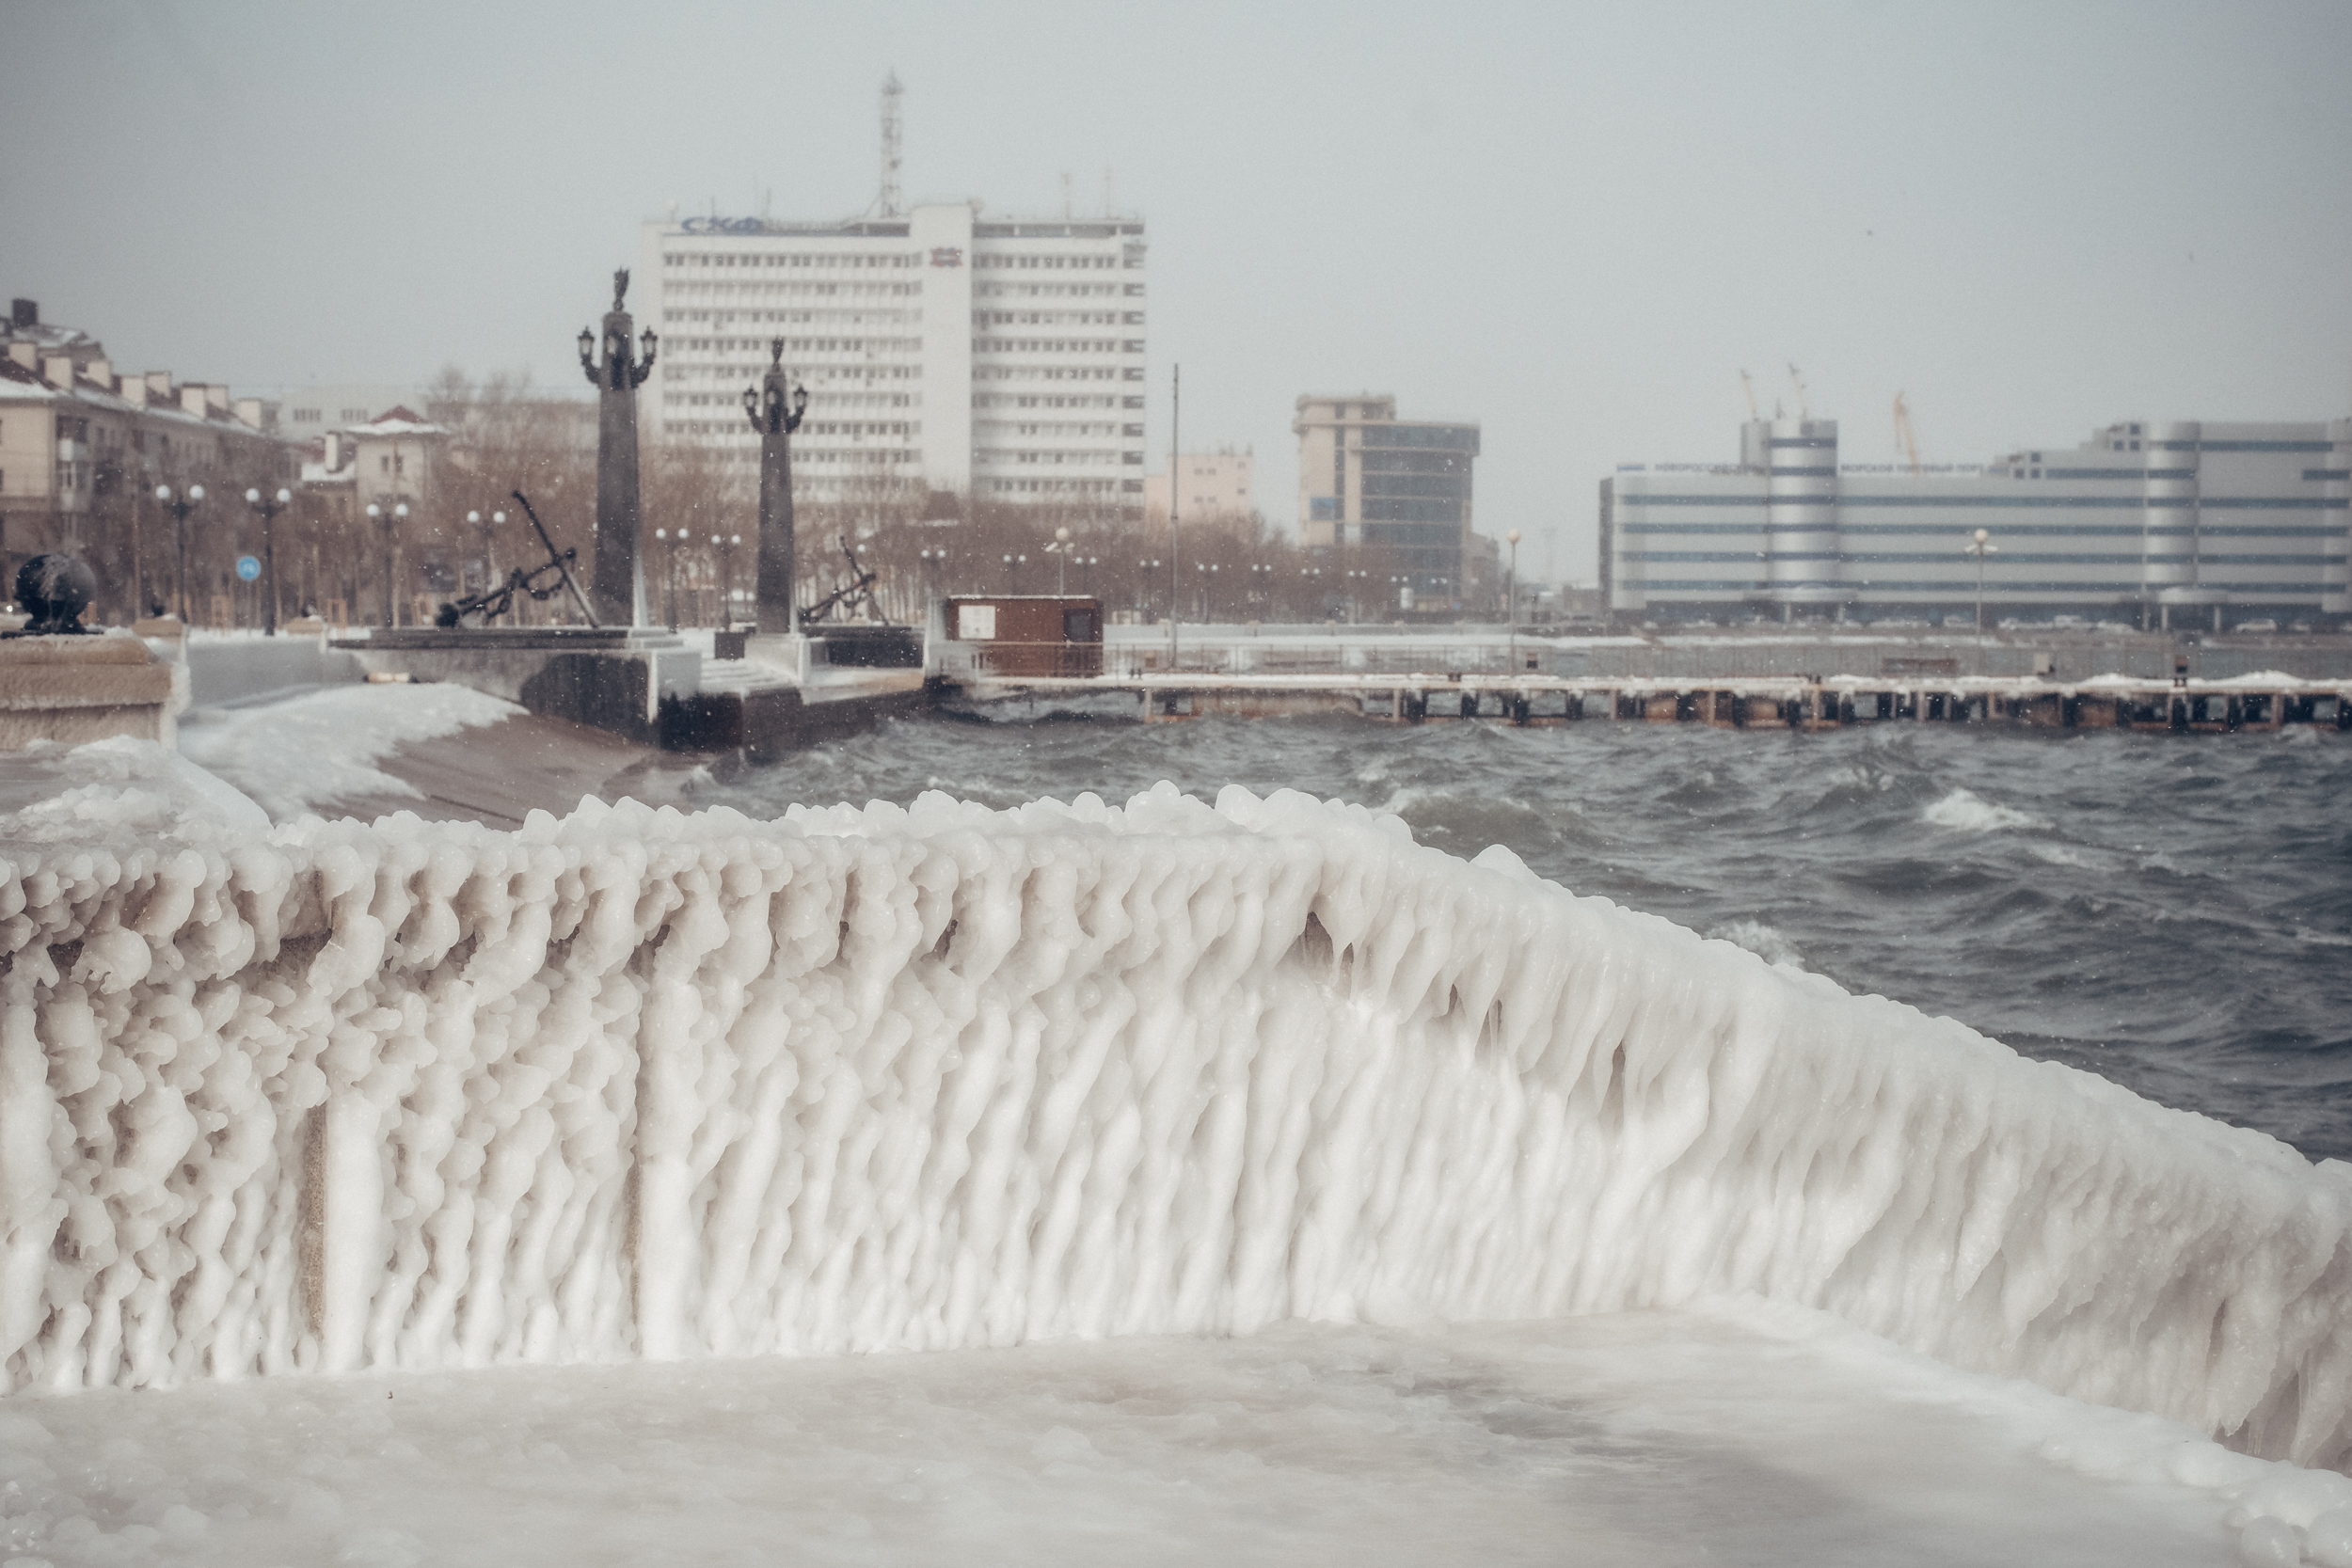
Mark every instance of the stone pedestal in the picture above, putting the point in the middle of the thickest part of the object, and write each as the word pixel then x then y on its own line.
pixel 75 690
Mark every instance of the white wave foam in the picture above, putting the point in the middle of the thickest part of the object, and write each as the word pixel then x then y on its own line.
pixel 1964 811
pixel 307 752
pixel 2070 855
pixel 1765 942
pixel 641 1085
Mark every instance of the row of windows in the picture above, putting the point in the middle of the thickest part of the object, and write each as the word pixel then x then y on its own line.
pixel 721 258
pixel 1447 487
pixel 1064 486
pixel 1049 263
pixel 1450 437
pixel 2008 529
pixel 830 402
pixel 2115 473
pixel 1416 462
pixel 800 345
pixel 2007 558
pixel 1056 459
pixel 1056 372
pixel 1955 585
pixel 1054 290
pixel 1439 536
pixel 1850 501
pixel 689 292
pixel 864 427
pixel 1067 429
pixel 1054 318
pixel 1055 345
pixel 1390 510
pixel 1059 400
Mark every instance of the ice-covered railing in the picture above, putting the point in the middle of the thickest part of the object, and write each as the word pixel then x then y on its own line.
pixel 635 1084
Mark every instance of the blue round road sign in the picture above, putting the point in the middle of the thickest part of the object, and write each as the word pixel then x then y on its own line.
pixel 247 568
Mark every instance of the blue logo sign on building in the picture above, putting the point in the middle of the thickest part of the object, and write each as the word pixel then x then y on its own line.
pixel 247 568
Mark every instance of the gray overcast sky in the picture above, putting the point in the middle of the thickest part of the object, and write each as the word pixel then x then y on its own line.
pixel 1575 224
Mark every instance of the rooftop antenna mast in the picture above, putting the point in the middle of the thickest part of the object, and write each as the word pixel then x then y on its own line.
pixel 889 202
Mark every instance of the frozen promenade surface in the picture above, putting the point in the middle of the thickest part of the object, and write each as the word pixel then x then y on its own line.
pixel 441 752
pixel 433 1106
pixel 1738 1435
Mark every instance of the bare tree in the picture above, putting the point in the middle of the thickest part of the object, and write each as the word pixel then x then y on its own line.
pixel 503 437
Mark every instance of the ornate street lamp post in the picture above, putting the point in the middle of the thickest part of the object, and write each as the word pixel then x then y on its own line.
pixel 775 411
pixel 269 508
pixel 934 562
pixel 388 512
pixel 1059 550
pixel 489 552
pixel 619 589
pixel 180 506
pixel 661 537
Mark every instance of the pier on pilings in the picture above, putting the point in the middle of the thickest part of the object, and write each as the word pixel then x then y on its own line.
pixel 1798 703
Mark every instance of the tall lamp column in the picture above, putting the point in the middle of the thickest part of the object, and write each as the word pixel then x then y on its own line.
pixel 775 408
pixel 1511 597
pixel 387 514
pixel 269 507
pixel 180 506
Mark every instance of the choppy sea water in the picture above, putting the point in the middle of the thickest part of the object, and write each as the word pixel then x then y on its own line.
pixel 2172 913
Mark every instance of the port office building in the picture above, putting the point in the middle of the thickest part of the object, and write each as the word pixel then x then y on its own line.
pixel 999 359
pixel 2152 524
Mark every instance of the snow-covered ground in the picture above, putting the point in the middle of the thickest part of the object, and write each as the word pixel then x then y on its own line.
pixel 1734 1434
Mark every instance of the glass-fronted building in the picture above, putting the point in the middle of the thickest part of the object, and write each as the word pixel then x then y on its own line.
pixel 1401 488
pixel 2145 523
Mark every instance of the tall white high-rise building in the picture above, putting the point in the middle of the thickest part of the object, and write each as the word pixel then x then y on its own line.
pixel 996 358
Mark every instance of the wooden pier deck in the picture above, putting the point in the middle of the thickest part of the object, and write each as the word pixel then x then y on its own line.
pixel 1775 702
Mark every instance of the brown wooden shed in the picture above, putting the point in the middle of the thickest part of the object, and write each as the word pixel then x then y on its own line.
pixel 1030 634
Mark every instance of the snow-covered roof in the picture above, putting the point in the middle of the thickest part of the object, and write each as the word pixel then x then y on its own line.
pixel 397 420
pixel 20 386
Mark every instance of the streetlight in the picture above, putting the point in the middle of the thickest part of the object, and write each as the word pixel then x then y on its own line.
pixel 389 514
pixel 489 555
pixel 180 507
pixel 269 509
pixel 934 561
pixel 1511 596
pixel 662 536
pixel 727 588
pixel 1059 549
pixel 1981 544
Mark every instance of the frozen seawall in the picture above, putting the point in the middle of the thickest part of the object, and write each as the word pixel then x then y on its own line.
pixel 644 1085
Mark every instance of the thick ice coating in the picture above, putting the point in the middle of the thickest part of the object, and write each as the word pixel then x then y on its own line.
pixel 637 1084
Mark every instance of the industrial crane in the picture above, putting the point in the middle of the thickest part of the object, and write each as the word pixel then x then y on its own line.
pixel 1749 387
pixel 1803 412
